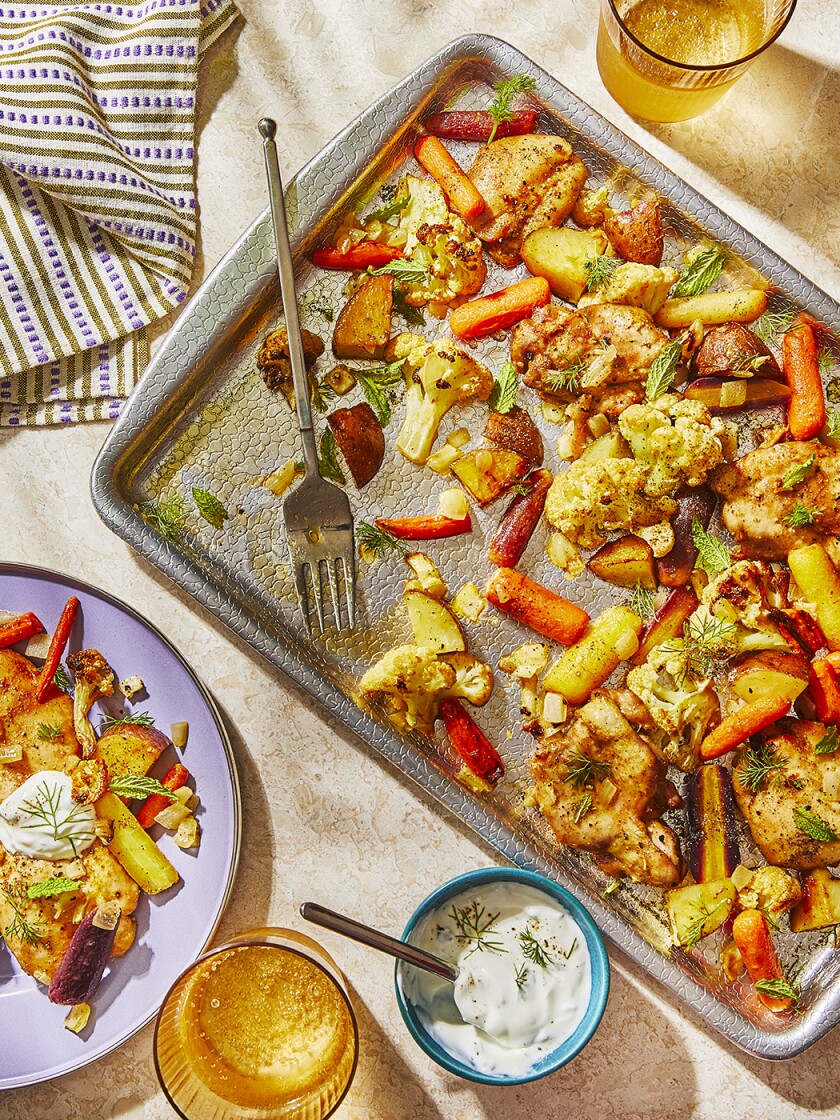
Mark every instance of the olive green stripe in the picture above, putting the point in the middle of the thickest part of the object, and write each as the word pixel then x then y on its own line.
pixel 99 31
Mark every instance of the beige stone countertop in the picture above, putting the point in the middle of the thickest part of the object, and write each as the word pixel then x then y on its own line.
pixel 325 820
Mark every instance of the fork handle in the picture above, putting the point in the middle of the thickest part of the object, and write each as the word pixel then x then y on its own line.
pixel 286 272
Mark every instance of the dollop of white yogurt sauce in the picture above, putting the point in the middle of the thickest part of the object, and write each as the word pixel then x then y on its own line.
pixel 40 819
pixel 524 982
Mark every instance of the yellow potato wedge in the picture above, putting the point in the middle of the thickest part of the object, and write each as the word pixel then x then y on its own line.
pixel 488 472
pixel 434 623
pixel 768 674
pixel 819 582
pixel 625 562
pixel 135 849
pixel 712 309
pixel 561 256
pixel 820 905
pixel 363 327
pixel 687 905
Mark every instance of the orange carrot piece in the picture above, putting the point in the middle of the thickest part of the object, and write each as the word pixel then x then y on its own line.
pixel 737 728
pixel 806 407
pixel 459 189
pixel 58 642
pixel 824 690
pixel 155 803
pixel 752 937
pixel 477 752
pixel 499 310
pixel 536 606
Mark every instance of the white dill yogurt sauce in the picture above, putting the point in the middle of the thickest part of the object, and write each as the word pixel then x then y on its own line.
pixel 40 819
pixel 525 977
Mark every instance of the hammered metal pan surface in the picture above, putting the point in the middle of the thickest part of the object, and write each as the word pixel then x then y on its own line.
pixel 202 417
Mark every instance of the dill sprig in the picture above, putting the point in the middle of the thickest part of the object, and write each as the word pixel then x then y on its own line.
pixel 320 394
pixel 328 466
pixel 800 515
pixel 567 379
pixel 505 389
pixel 825 360
pixel 704 269
pixel 770 326
pixel 582 807
pixel 712 554
pixel 522 974
pixel 49 732
pixel 500 108
pixel 704 643
pixel 663 370
pixel 693 932
pixel 20 928
pixel 378 541
pixel 748 363
pixel 474 926
pixel 641 602
pixel 759 764
pixel 73 826
pixel 599 270
pixel 583 771
pixel 534 949
pixel 165 516
pixel 408 271
pixel 138 719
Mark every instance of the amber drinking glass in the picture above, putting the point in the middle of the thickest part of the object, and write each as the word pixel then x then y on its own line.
pixel 259 1028
pixel 669 60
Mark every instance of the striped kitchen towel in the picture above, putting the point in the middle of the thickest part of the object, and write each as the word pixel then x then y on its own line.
pixel 97 195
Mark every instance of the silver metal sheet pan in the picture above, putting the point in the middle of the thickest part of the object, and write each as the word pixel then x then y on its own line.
pixel 202 417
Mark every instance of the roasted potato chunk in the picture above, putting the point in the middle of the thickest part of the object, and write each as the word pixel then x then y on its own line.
pixel 636 234
pixel 363 326
pixel 360 440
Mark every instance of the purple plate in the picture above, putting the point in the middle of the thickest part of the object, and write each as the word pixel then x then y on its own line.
pixel 171 931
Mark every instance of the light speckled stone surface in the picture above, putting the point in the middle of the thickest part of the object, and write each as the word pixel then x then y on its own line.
pixel 322 818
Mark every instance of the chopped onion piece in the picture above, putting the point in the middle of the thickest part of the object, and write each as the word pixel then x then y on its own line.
pixel 10 752
pixel 172 815
pixel 77 1017
pixel 554 708
pixel 459 438
pixel 453 503
pixel 741 877
pixel 179 733
pixel 598 424
pixel 187 834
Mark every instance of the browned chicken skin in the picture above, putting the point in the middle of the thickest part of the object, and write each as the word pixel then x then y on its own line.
pixel 55 919
pixel 755 504
pixel 620 828
pixel 527 182
pixel 797 783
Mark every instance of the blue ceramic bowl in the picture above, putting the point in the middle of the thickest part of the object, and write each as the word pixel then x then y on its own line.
pixel 597 954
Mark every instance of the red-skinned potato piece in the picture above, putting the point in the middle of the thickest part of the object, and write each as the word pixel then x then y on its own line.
pixel 130 748
pixel 676 566
pixel 536 606
pixel 520 519
pixel 772 672
pixel 636 234
pixel 360 440
pixel 733 394
pixel 733 348
pixel 489 471
pixel 625 562
pixel 667 623
pixel 516 431
pixel 475 749
pixel 478 124
pixel 712 832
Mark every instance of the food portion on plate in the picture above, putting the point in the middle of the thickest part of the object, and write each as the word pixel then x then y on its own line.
pixel 74 857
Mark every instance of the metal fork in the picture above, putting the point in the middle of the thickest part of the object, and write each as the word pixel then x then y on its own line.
pixel 319 524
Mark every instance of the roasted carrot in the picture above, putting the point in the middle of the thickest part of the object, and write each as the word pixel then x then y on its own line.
pixel 459 189
pixel 752 937
pixel 478 124
pixel 499 310
pixel 155 803
pixel 520 520
pixel 19 629
pixel 367 254
pixel 475 749
pixel 737 728
pixel 806 408
pixel 425 528
pixel 824 690
pixel 57 645
pixel 536 606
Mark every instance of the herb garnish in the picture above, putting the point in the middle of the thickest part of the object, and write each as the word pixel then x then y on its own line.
pixel 770 326
pixel 599 270
pixel 390 209
pixel 568 378
pixel 500 108
pixel 829 742
pixel 583 771
pixel 165 516
pixel 694 930
pixel 210 508
pixel 505 388
pixel 534 950
pixel 641 602
pixel 522 976
pixel 474 924
pixel 703 643
pixel 582 807
pixel 800 515
pixel 375 382
pixel 748 363
pixel 663 370
pixel 777 988
pixel 378 541
pixel 138 719
pixel 409 271
pixel 49 888
pixel 797 474
pixel 414 316
pixel 814 826
pixel 758 764
pixel 612 886
pixel 702 272
pixel 62 680
pixel 825 360
pixel 320 394
pixel 832 428
pixel 328 460
pixel 20 928
pixel 712 554
pixel 137 785
pixel 49 731
pixel 74 826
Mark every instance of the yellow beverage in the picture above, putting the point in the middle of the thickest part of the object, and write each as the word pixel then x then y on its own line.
pixel 256 1030
pixel 698 36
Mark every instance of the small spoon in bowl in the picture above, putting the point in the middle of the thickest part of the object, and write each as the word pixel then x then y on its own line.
pixel 365 935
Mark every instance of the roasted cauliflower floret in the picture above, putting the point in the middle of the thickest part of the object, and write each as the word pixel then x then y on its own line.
pixel 592 499
pixel 94 678
pixel 440 242
pixel 770 889
pixel 412 680
pixel 639 285
pixel 437 375
pixel 275 366
pixel 473 679
pixel 734 615
pixel 682 703
pixel 676 441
